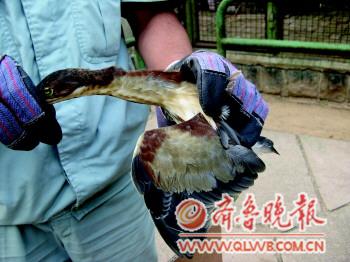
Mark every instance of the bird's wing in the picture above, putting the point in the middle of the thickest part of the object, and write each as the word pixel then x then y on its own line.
pixel 183 157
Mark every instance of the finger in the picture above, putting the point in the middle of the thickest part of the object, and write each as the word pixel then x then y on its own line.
pixel 29 84
pixel 250 133
pixel 46 127
pixel 248 94
pixel 15 95
pixel 211 84
pixel 12 134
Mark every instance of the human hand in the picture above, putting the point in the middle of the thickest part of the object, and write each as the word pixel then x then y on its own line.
pixel 25 119
pixel 220 84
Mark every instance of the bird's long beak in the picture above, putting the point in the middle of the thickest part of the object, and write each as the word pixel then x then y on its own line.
pixel 274 150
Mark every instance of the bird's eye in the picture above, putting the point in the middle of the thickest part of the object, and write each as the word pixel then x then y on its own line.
pixel 48 92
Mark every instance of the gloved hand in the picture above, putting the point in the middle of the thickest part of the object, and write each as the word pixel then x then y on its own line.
pixel 221 84
pixel 25 118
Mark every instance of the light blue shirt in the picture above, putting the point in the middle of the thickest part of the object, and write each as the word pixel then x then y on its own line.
pixel 99 133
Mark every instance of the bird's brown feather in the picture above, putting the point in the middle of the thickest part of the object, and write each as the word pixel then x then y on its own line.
pixel 184 157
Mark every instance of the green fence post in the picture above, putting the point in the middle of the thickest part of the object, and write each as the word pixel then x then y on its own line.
pixel 191 22
pixel 272 21
pixel 188 19
pixel 220 25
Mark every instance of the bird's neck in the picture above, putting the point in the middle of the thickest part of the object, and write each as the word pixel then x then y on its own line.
pixel 134 89
pixel 180 99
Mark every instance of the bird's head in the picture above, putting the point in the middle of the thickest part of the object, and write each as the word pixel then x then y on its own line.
pixel 64 84
pixel 264 145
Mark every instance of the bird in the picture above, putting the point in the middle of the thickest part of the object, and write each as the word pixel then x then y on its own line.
pixel 189 156
pixel 198 156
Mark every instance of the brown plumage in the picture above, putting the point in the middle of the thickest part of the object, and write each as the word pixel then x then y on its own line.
pixel 184 157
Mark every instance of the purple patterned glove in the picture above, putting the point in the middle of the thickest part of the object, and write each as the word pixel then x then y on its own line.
pixel 25 119
pixel 222 84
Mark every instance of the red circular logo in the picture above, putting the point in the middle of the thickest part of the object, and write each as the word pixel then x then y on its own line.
pixel 191 214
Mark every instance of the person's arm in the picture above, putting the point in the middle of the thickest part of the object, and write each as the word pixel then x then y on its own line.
pixel 161 39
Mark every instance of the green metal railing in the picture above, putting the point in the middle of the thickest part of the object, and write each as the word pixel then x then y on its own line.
pixel 190 22
pixel 273 41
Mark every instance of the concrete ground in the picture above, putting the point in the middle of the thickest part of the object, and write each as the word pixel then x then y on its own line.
pixel 314 145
